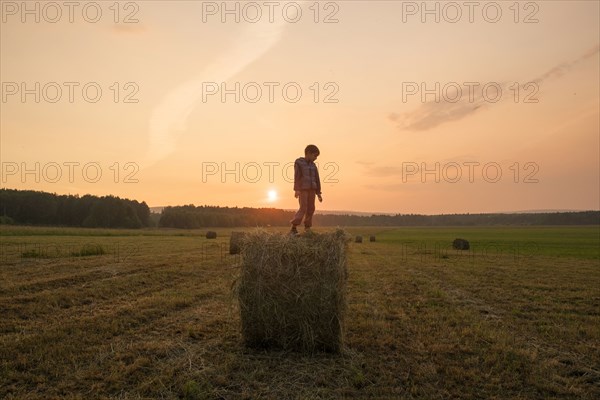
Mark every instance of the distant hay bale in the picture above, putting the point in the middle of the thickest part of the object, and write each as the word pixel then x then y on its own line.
pixel 372 238
pixel 235 242
pixel 89 250
pixel 292 290
pixel 211 235
pixel 460 244
pixel 358 239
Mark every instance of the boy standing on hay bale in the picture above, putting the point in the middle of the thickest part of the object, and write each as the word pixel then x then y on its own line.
pixel 307 185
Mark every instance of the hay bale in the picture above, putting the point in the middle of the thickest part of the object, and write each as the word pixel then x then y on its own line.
pixel 358 239
pixel 292 290
pixel 235 242
pixel 460 244
pixel 372 238
pixel 211 235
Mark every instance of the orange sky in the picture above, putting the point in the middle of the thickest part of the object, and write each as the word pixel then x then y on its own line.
pixel 385 146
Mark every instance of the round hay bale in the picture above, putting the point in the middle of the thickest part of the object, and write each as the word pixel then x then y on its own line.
pixel 372 238
pixel 460 244
pixel 358 239
pixel 211 235
pixel 235 242
pixel 292 290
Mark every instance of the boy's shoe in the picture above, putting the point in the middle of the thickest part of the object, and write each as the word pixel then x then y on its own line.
pixel 293 231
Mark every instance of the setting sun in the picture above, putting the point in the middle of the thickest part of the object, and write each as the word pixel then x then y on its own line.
pixel 272 195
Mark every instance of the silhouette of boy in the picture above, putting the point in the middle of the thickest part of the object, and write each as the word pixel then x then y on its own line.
pixel 307 185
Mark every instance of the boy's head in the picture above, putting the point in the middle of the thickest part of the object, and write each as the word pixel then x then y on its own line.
pixel 311 152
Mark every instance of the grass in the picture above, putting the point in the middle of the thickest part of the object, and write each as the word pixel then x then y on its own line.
pixel 89 250
pixel 154 317
pixel 564 241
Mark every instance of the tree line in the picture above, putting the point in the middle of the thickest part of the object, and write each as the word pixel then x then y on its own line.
pixel 546 218
pixel 212 216
pixel 41 208
pixel 190 216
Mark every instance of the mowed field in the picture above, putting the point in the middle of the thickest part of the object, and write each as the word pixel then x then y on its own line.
pixel 515 317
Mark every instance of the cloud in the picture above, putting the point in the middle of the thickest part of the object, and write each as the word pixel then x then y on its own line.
pixel 170 116
pixel 383 171
pixel 565 67
pixel 128 29
pixel 432 114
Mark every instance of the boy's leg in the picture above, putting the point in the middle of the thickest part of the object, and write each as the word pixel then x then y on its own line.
pixel 310 208
pixel 302 199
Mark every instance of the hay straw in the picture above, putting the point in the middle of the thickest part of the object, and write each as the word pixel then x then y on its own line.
pixel 292 290
pixel 235 242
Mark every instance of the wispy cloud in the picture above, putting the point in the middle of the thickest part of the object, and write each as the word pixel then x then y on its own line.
pixel 128 29
pixel 405 166
pixel 383 171
pixel 432 114
pixel 170 116
pixel 561 69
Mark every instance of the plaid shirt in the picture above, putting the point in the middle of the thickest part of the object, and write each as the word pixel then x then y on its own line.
pixel 306 175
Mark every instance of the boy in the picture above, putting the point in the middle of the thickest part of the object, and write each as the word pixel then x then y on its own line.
pixel 307 184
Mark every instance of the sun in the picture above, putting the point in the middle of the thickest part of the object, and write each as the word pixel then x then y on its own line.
pixel 272 195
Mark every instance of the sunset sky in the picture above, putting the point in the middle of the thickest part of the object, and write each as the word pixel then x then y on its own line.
pixel 169 147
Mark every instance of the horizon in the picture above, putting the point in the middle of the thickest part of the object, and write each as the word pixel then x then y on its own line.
pixel 449 111
pixel 339 212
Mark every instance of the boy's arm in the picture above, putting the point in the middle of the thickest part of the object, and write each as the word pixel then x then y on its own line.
pixel 318 182
pixel 297 176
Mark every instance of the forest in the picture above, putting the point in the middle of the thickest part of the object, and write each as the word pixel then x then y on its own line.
pixel 28 207
pixel 41 208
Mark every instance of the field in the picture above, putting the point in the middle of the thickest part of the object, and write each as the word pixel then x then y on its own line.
pixel 89 313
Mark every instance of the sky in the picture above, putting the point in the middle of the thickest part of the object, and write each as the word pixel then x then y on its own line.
pixel 436 107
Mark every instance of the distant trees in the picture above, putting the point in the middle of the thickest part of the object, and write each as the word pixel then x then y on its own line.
pixel 190 216
pixel 41 208
pixel 555 218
